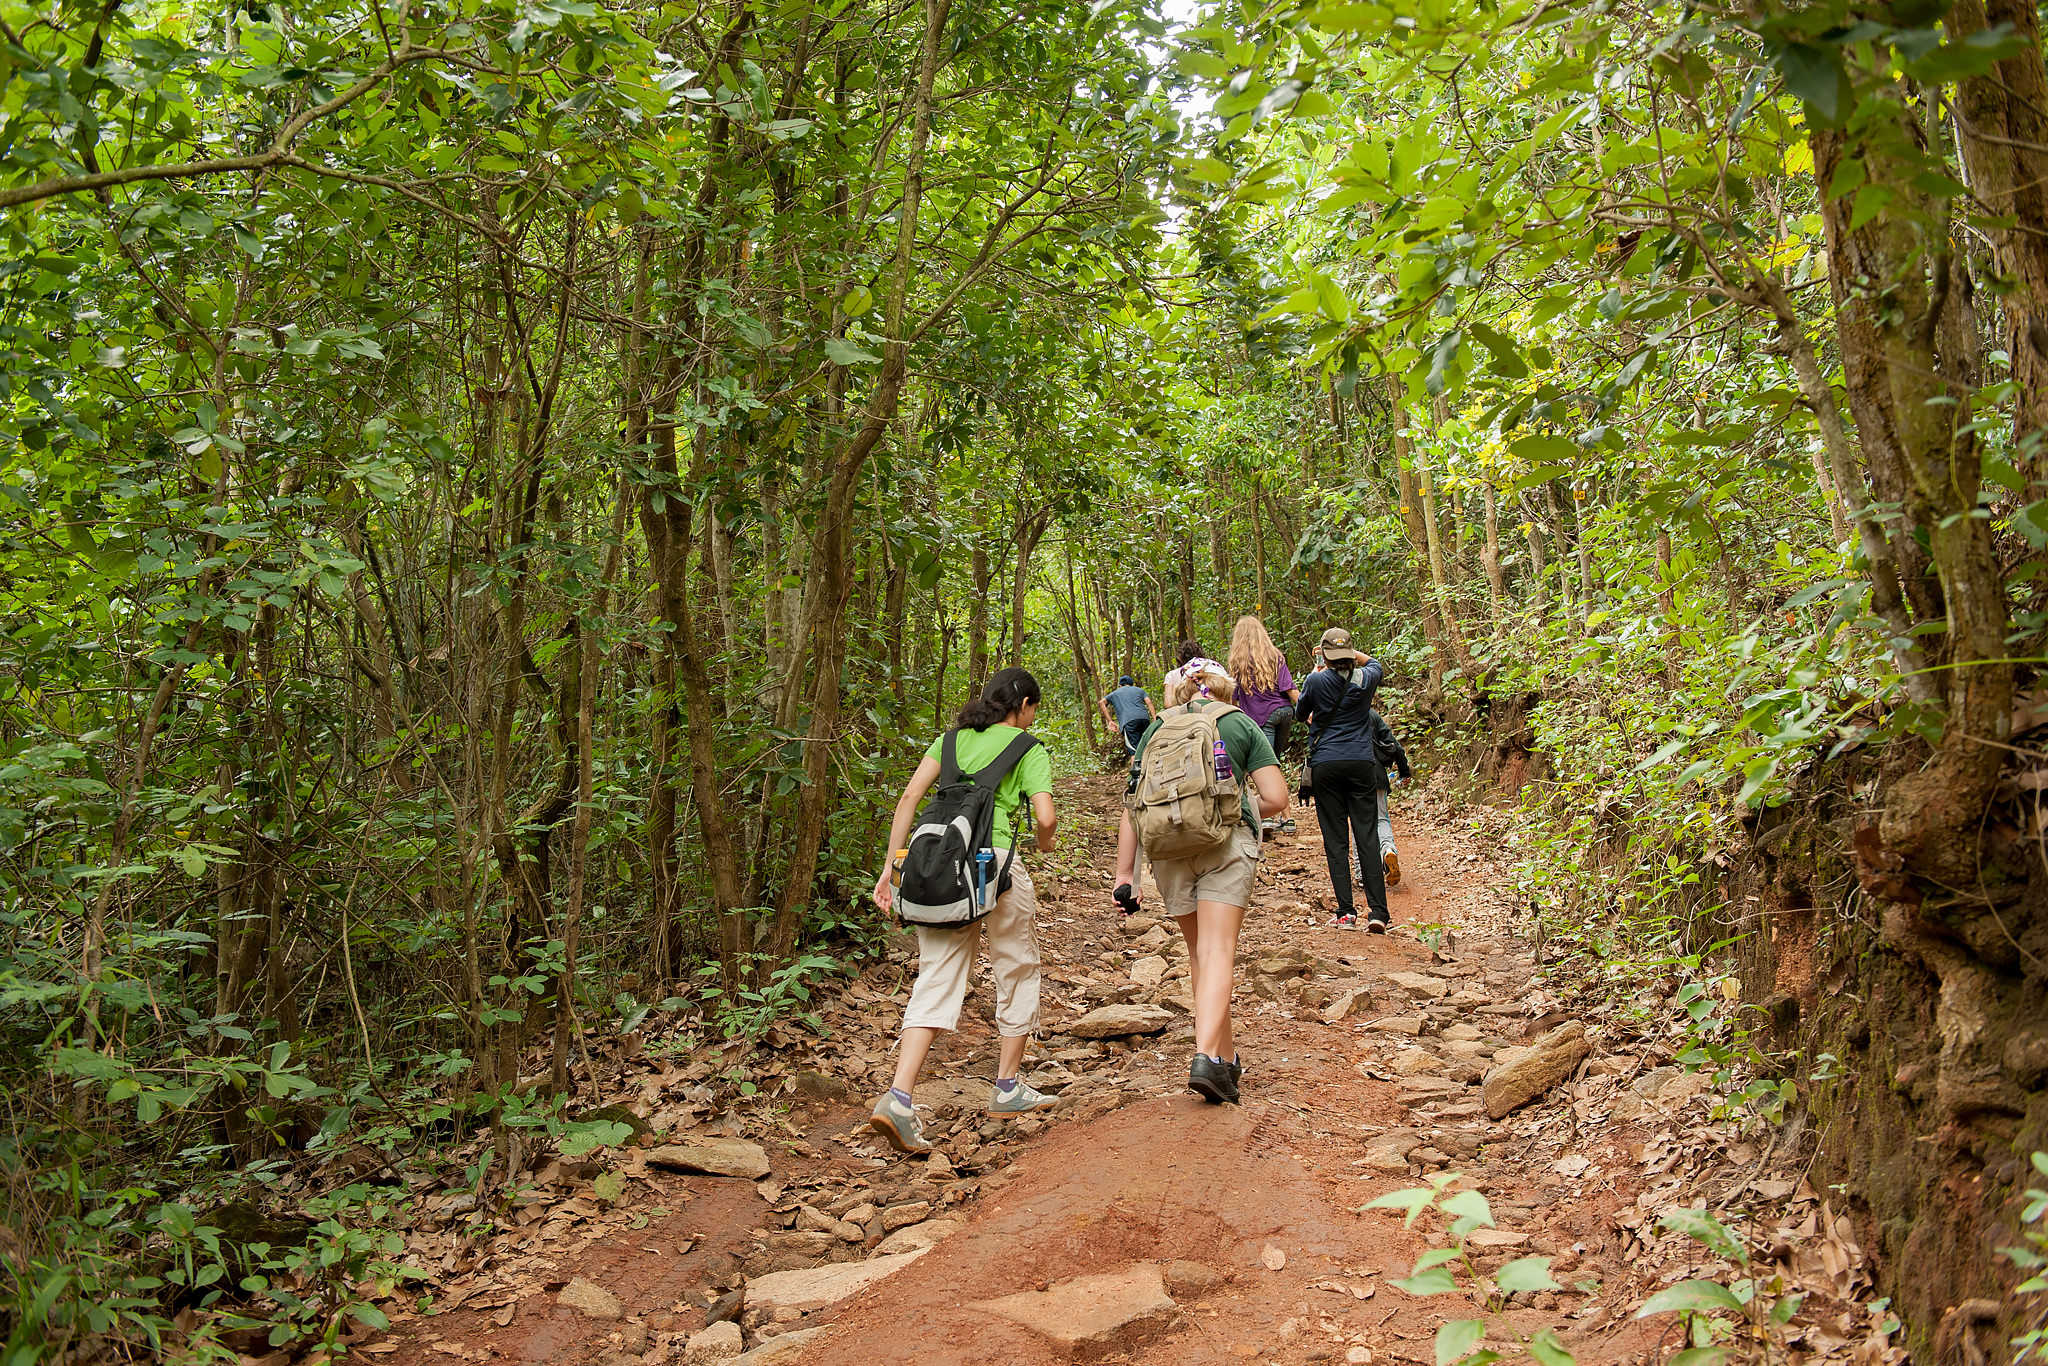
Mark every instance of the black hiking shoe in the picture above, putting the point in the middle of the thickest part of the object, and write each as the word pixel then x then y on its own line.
pixel 1213 1081
pixel 1377 922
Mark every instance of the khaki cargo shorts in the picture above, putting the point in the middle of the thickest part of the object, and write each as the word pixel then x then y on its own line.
pixel 1224 876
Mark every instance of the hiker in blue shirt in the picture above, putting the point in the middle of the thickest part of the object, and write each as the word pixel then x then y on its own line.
pixel 1344 773
pixel 1128 708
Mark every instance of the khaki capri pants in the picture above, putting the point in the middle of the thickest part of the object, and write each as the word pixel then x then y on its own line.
pixel 945 962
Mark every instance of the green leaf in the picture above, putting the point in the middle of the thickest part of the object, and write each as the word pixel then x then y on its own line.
pixel 1525 1274
pixel 1458 1339
pixel 1817 76
pixel 1412 1200
pixel 843 352
pixel 1701 1356
pixel 1469 1205
pixel 1691 1297
pixel 579 1139
pixel 370 1316
pixel 1435 1281
pixel 1705 1228
pixel 610 1187
pixel 1507 361
pixel 1548 1351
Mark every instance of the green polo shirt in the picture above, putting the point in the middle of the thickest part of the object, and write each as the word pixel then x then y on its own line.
pixel 977 749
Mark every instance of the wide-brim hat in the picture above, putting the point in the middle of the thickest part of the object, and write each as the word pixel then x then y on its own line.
pixel 1336 644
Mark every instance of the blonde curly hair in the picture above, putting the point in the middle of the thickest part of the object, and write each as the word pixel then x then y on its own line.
pixel 1187 688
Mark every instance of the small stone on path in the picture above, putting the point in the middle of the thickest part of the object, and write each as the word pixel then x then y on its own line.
pixel 1148 972
pixel 785 1348
pixel 1273 1257
pixel 1397 1024
pixel 1348 1004
pixel 590 1299
pixel 719 1342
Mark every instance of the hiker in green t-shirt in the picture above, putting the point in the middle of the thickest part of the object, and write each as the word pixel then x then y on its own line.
pixel 1207 894
pixel 945 956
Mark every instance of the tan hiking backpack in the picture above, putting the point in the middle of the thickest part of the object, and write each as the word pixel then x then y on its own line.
pixel 1179 806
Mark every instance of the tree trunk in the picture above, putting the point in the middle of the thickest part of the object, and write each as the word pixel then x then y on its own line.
pixel 1496 585
pixel 1908 338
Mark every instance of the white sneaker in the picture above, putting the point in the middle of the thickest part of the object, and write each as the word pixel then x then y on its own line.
pixel 1021 1099
pixel 897 1122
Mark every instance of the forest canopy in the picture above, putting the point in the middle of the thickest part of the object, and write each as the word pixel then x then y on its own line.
pixel 494 497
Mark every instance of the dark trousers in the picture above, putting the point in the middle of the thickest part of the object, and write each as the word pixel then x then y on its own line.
pixel 1347 806
pixel 1134 731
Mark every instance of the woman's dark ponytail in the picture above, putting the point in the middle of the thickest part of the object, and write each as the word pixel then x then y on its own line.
pixel 1005 693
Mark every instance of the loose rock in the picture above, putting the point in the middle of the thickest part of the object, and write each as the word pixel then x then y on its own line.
pixel 1110 1022
pixel 719 1342
pixel 917 1237
pixel 1515 1082
pixel 903 1216
pixel 1397 1024
pixel 1148 972
pixel 785 1348
pixel 712 1157
pixel 1420 985
pixel 1346 1005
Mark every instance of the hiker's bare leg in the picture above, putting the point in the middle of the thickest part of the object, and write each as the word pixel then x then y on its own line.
pixel 1212 961
pixel 1191 935
pixel 1010 1056
pixel 917 1042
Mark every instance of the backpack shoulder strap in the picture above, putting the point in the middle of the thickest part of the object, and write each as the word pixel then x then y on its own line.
pixel 992 776
pixel 949 758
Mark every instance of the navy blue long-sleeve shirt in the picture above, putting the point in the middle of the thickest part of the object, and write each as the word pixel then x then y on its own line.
pixel 1339 709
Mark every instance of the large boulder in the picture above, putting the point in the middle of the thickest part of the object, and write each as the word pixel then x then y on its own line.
pixel 1524 1074
pixel 1087 1314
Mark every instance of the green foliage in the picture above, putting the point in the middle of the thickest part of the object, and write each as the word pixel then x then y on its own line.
pixel 2032 1344
pixel 1439 1271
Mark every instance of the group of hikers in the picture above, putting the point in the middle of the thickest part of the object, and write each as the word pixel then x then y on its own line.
pixel 1205 788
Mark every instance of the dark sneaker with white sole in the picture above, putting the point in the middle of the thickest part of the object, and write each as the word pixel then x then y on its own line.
pixel 1377 924
pixel 1213 1081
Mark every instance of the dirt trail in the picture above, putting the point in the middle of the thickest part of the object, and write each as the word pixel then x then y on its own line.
pixel 1245 1218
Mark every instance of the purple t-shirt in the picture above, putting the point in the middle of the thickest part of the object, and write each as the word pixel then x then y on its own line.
pixel 1262 704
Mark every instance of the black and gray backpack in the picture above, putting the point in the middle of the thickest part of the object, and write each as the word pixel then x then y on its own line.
pixel 941 876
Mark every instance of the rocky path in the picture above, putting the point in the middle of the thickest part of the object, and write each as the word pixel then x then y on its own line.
pixel 1133 1223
